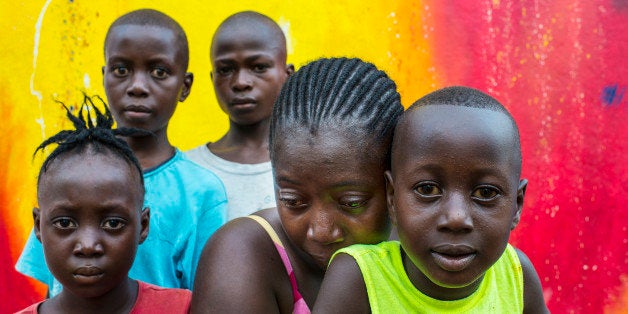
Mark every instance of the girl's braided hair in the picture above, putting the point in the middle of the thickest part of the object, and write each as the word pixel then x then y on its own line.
pixel 98 136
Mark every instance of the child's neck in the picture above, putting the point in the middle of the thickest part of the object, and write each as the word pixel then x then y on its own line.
pixel 432 290
pixel 151 151
pixel 246 144
pixel 120 299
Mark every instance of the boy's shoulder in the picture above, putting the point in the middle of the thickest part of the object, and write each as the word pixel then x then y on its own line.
pixel 155 299
pixel 385 248
pixel 184 170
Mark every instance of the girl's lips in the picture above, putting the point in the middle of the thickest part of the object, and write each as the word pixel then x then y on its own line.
pixel 88 274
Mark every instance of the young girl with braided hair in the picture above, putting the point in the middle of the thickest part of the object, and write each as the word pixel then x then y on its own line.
pixel 90 221
pixel 330 135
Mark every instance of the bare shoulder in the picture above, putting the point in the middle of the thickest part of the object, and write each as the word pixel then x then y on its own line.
pixel 533 301
pixel 343 281
pixel 238 270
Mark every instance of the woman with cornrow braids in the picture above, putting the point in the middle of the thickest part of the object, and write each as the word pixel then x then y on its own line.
pixel 330 136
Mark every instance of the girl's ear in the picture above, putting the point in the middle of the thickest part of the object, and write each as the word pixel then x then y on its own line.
pixel 521 192
pixel 36 220
pixel 390 193
pixel 145 224
pixel 187 86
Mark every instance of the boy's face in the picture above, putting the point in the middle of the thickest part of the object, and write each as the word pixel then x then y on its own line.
pixel 248 73
pixel 144 76
pixel 330 194
pixel 454 193
pixel 90 221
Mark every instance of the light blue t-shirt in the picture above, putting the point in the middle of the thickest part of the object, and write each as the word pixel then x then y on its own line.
pixel 187 205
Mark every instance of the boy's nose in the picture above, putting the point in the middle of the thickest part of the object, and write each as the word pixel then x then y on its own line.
pixel 139 85
pixel 455 216
pixel 88 243
pixel 323 228
pixel 242 81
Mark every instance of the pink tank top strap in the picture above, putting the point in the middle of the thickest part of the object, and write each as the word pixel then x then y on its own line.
pixel 300 307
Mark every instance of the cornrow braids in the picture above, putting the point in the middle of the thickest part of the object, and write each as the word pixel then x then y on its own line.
pixel 341 92
pixel 99 136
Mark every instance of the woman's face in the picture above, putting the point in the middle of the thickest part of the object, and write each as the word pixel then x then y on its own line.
pixel 330 190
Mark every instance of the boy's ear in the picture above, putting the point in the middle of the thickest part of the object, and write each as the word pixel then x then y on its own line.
pixel 144 223
pixel 187 86
pixel 289 69
pixel 390 193
pixel 36 220
pixel 521 192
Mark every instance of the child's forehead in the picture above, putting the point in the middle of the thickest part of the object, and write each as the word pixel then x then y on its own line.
pixel 243 37
pixel 131 33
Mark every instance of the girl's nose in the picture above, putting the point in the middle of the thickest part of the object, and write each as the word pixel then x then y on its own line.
pixel 88 243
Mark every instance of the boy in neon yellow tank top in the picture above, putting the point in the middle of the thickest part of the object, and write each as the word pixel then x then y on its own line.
pixel 454 192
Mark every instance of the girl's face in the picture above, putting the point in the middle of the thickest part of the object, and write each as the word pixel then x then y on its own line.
pixel 330 191
pixel 90 221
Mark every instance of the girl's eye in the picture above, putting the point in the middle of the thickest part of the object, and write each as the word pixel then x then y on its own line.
pixel 485 193
pixel 64 223
pixel 113 224
pixel 428 190
pixel 120 70
pixel 159 73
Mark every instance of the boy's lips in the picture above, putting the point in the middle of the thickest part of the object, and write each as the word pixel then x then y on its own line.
pixel 453 257
pixel 242 102
pixel 135 111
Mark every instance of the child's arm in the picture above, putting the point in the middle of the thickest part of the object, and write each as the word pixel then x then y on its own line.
pixel 343 290
pixel 533 301
pixel 239 271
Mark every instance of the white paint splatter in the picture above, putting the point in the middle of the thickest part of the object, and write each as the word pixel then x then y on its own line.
pixel 284 24
pixel 86 81
pixel 34 92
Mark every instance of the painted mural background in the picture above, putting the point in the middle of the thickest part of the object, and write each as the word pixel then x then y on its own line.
pixel 559 66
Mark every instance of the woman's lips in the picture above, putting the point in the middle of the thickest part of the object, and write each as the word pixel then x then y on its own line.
pixel 453 257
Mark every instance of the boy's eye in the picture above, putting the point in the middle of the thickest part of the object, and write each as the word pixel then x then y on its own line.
pixel 428 190
pixel 485 193
pixel 159 73
pixel 259 68
pixel 223 71
pixel 120 70
pixel 113 224
pixel 64 223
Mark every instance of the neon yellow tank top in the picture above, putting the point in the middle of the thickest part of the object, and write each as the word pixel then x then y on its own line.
pixel 391 291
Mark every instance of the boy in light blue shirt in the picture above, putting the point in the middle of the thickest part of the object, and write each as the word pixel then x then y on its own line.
pixel 145 77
